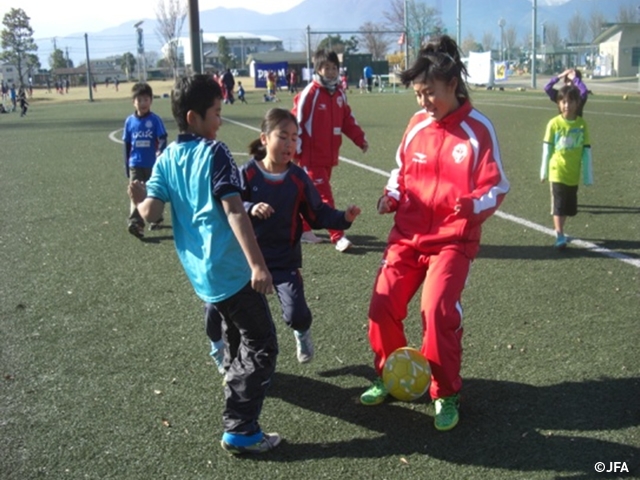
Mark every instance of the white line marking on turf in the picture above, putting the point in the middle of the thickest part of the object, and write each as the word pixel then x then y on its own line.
pixel 592 247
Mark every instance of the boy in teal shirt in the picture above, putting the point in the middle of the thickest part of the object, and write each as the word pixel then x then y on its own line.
pixel 218 250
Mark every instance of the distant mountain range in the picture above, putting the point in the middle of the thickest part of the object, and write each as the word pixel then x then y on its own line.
pixel 478 17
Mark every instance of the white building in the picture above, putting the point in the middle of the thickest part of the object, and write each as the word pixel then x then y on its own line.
pixel 241 45
pixel 9 74
pixel 620 44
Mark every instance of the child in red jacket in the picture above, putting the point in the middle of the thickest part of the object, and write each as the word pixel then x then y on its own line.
pixel 323 116
pixel 449 180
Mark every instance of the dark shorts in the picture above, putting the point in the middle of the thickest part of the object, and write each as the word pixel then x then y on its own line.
pixel 142 174
pixel 564 200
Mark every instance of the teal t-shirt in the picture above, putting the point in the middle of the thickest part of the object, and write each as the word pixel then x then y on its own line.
pixel 567 138
pixel 193 175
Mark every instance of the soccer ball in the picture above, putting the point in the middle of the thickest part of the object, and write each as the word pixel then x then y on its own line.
pixel 406 374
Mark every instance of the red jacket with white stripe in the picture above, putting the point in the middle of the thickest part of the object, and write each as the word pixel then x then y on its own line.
pixel 322 119
pixel 439 163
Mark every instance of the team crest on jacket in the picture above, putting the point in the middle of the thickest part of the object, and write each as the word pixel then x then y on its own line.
pixel 340 102
pixel 459 152
pixel 148 124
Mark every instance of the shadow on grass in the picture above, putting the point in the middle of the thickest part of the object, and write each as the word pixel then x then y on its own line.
pixel 607 209
pixel 544 252
pixel 157 239
pixel 361 243
pixel 504 425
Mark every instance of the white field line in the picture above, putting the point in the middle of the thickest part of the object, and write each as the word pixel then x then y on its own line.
pixel 507 216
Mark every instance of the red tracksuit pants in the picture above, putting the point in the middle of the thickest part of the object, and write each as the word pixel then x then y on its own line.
pixel 444 272
pixel 321 178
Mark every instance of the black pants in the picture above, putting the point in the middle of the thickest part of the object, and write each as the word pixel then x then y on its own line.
pixel 290 290
pixel 251 348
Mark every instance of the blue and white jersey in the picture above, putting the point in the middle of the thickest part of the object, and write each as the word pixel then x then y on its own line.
pixel 194 175
pixel 146 135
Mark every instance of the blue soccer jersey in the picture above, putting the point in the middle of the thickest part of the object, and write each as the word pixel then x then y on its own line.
pixel 194 175
pixel 146 135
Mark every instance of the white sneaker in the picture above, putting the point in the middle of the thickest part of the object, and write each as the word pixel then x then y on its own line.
pixel 310 237
pixel 343 244
pixel 304 346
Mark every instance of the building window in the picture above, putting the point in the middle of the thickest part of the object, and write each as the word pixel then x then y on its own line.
pixel 635 56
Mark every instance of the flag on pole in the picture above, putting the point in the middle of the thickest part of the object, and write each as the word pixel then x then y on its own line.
pixel 401 39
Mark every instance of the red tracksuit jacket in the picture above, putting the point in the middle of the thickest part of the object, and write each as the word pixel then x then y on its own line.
pixel 323 118
pixel 439 162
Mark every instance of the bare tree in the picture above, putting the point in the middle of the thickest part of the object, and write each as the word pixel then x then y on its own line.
pixel 151 58
pixel 423 21
pixel 375 40
pixel 552 34
pixel 487 41
pixel 627 14
pixel 596 21
pixel 171 15
pixel 510 39
pixel 577 28
pixel 314 40
pixel 469 44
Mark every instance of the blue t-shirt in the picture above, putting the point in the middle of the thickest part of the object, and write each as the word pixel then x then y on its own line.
pixel 194 174
pixel 145 135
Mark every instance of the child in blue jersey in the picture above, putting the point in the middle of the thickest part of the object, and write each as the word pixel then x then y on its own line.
pixel 144 139
pixel 278 195
pixel 566 153
pixel 218 250
pixel 241 93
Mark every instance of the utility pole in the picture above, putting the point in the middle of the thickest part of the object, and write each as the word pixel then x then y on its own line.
pixel 86 46
pixel 534 53
pixel 501 23
pixel 194 33
pixel 459 23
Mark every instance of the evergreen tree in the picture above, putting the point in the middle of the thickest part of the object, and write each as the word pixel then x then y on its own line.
pixel 17 42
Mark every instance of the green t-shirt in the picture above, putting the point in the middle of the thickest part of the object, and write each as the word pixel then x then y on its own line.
pixel 567 139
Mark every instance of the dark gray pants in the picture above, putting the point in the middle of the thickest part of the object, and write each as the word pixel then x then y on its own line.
pixel 290 290
pixel 251 348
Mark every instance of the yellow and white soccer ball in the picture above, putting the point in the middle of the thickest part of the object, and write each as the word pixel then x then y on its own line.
pixel 406 374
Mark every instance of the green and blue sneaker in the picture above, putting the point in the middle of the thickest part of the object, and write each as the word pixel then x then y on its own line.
pixel 446 412
pixel 375 394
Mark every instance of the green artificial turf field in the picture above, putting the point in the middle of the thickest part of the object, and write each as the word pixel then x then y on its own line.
pixel 104 359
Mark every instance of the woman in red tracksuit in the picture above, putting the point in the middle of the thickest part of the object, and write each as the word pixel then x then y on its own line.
pixel 323 115
pixel 449 180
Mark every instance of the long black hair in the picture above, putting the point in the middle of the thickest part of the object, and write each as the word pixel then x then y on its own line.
pixel 272 120
pixel 439 60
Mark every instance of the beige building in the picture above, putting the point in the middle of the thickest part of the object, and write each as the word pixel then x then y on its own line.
pixel 241 45
pixel 620 43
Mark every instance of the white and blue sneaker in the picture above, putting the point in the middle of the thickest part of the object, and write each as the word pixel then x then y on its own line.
pixel 304 346
pixel 217 354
